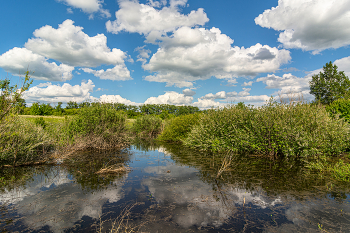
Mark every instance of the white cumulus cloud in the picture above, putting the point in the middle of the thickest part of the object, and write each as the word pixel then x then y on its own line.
pixel 191 54
pixel 50 93
pixel 70 45
pixel 145 19
pixel 344 65
pixel 170 97
pixel 88 6
pixel 18 60
pixel 308 24
pixel 286 82
pixel 116 99
pixel 245 84
pixel 207 103
pixel 119 72
pixel 219 95
pixel 188 92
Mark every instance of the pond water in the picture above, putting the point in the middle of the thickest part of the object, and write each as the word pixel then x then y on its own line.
pixel 171 189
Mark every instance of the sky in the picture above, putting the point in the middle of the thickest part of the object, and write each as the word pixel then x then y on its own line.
pixel 202 53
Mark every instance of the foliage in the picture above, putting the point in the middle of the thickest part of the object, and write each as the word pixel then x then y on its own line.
pixel 98 126
pixel 178 128
pixel 147 126
pixel 340 107
pixel 41 109
pixel 40 121
pixel 274 130
pixel 23 141
pixel 329 85
pixel 341 171
pixel 11 95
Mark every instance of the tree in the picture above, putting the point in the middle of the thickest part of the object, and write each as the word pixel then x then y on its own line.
pixel 71 105
pixel 329 85
pixel 11 95
pixel 35 109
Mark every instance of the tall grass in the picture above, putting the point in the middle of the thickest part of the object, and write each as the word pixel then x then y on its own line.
pixel 275 130
pixel 23 141
pixel 147 126
pixel 98 126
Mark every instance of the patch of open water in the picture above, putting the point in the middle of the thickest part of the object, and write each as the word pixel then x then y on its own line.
pixel 170 189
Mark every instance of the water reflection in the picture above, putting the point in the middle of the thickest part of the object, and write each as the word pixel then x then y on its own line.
pixel 177 190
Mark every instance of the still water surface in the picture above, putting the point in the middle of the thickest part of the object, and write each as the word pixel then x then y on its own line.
pixel 171 189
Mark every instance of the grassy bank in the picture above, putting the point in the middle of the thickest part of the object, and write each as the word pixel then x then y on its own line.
pixel 29 139
pixel 293 132
pixel 303 132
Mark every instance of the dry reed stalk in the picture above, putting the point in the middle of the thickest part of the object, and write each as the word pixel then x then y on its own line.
pixel 113 169
pixel 225 164
pixel 122 222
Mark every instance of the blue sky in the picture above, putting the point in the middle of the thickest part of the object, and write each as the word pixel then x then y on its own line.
pixel 183 52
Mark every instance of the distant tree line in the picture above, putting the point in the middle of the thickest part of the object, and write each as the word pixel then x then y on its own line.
pixel 132 111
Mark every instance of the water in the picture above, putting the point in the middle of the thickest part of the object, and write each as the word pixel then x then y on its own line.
pixel 171 189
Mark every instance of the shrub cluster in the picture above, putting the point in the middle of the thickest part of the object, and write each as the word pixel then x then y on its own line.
pixel 23 141
pixel 274 130
pixel 177 129
pixel 147 126
pixel 341 108
pixel 98 126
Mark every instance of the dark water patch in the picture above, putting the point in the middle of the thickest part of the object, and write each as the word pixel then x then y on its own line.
pixel 171 189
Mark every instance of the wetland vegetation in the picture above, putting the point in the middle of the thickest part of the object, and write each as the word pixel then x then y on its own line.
pixel 237 168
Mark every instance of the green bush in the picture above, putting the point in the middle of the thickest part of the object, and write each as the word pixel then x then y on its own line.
pixel 40 121
pixel 98 126
pixel 177 129
pixel 340 107
pixel 147 126
pixel 71 111
pixel 274 130
pixel 341 171
pixel 23 141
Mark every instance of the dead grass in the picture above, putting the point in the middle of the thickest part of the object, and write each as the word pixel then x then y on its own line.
pixel 123 222
pixel 112 169
pixel 226 162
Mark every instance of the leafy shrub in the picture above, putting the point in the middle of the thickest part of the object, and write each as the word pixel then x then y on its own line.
pixel 341 171
pixel 40 121
pixel 71 111
pixel 41 109
pixel 147 126
pixel 274 130
pixel 178 128
pixel 340 107
pixel 23 141
pixel 98 126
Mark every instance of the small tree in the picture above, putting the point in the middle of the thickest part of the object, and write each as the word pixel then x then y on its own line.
pixel 11 95
pixel 35 109
pixel 329 85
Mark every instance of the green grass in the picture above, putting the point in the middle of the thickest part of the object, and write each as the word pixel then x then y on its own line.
pixel 51 119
